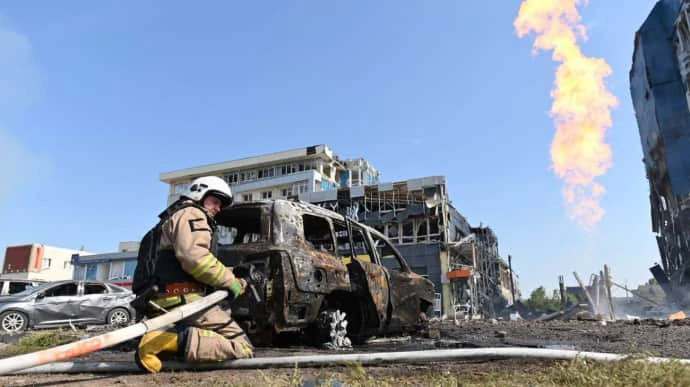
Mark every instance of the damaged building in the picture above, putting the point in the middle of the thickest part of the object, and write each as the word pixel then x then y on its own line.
pixel 660 91
pixel 416 215
pixel 437 241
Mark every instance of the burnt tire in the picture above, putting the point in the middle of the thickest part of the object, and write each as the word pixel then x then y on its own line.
pixel 13 322
pixel 118 317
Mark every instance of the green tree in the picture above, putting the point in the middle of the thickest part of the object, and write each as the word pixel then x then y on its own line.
pixel 538 301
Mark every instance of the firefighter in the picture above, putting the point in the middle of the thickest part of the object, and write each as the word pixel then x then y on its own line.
pixel 185 267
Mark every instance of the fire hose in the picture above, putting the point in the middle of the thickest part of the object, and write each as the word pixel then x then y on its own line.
pixel 37 362
pixel 96 343
pixel 339 359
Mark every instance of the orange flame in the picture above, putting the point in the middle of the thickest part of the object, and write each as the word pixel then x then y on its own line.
pixel 581 104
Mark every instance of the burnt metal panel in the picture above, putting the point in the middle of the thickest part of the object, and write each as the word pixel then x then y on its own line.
pixel 658 94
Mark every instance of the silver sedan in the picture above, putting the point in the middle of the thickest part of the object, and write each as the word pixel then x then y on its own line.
pixel 65 303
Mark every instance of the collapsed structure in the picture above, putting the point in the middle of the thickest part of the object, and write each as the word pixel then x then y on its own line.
pixel 659 86
pixel 436 240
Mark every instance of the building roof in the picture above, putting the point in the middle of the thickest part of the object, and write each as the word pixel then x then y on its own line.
pixel 168 177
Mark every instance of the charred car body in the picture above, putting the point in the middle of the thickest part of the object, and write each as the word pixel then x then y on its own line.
pixel 303 262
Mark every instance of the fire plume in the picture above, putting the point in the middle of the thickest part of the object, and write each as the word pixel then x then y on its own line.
pixel 581 104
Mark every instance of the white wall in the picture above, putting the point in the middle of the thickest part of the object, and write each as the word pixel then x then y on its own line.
pixel 60 267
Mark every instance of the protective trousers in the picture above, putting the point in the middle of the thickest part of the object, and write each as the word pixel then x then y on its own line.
pixel 213 336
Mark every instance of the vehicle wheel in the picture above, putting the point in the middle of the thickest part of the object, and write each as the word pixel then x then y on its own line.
pixel 118 317
pixel 13 322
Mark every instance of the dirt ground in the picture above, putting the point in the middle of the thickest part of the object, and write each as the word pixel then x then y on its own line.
pixel 659 338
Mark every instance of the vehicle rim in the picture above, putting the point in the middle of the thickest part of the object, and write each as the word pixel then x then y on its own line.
pixel 119 317
pixel 13 322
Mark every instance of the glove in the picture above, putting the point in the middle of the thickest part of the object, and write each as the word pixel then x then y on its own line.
pixel 237 287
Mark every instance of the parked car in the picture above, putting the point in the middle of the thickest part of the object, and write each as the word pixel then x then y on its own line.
pixel 61 303
pixel 305 263
pixel 12 286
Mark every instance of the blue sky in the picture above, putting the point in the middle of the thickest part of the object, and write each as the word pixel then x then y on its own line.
pixel 96 99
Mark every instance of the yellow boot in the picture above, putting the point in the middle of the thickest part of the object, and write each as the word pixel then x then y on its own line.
pixel 152 344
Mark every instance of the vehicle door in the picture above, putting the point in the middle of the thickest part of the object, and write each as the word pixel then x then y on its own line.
pixel 57 304
pixel 95 302
pixel 404 285
pixel 365 275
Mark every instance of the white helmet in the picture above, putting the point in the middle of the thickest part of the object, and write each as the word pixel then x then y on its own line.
pixel 210 185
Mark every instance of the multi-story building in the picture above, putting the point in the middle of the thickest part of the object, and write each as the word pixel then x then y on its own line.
pixel 278 175
pixel 39 262
pixel 660 91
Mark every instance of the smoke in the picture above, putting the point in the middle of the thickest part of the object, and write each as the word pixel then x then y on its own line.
pixel 581 104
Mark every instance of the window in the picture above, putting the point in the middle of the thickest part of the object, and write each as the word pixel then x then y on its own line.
pixel 95 289
pixel 80 272
pixel 408 231
pixel 247 197
pixel 300 187
pixel 266 194
pixel 285 192
pixel 181 188
pixel 116 270
pixel 231 178
pixel 102 271
pixel 317 233
pixel 16 287
pixel 389 257
pixel 68 289
pixel 392 231
pixel 130 266
pixel 46 263
pixel 243 225
pixel 266 172
pixel 361 246
pixel 91 270
pixel 421 227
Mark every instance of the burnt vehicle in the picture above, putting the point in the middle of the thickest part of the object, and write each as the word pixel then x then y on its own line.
pixel 305 265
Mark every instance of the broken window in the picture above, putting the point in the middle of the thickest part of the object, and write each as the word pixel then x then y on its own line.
pixel 361 247
pixel 389 257
pixel 240 225
pixel 317 232
pixel 434 231
pixel 392 231
pixel 342 239
pixel 408 231
pixel 421 229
